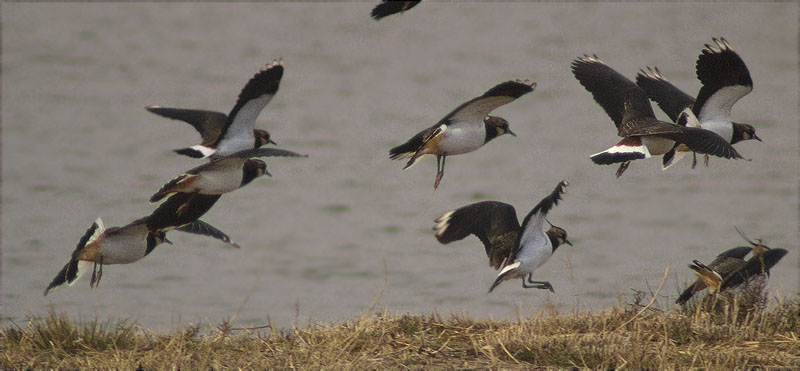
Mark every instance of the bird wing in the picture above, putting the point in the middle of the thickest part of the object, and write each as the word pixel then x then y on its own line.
pixel 607 86
pixel 755 266
pixel 202 228
pixel 208 123
pixel 180 209
pixel 262 152
pixel 532 231
pixel 725 80
pixel 697 139
pixel 254 97
pixel 726 263
pixel 494 223
pixel 475 110
pixel 386 8
pixel 671 99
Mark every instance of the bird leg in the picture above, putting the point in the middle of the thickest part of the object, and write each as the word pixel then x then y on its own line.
pixel 705 160
pixel 94 275
pixel 100 273
pixel 622 168
pixel 537 284
pixel 439 169
pixel 694 160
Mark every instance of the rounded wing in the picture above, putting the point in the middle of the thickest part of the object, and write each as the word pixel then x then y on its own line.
pixel 180 209
pixel 671 99
pixel 475 110
pixel 208 123
pixel 204 229
pixel 386 8
pixel 607 86
pixel 254 97
pixel 261 152
pixel 725 80
pixel 532 233
pixel 494 223
pixel 757 265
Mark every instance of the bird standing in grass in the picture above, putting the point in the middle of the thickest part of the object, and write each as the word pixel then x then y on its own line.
pixel 729 269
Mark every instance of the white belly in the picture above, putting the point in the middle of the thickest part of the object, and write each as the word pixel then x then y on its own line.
pixel 462 140
pixel 218 182
pixel 657 146
pixel 537 253
pixel 723 128
pixel 233 145
pixel 126 247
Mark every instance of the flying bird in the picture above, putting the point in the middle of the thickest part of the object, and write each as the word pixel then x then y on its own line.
pixel 629 108
pixel 208 123
pixel 518 250
pixel 120 245
pixel 389 7
pixel 224 135
pixel 222 174
pixel 465 129
pixel 725 80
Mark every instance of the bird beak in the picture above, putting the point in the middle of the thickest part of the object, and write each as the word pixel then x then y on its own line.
pixel 567 242
pixel 511 132
pixel 272 141
pixel 167 241
pixel 267 173
pixel 756 137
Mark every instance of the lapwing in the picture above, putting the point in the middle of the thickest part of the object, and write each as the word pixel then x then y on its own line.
pixel 729 269
pixel 725 80
pixel 237 132
pixel 223 174
pixel 643 135
pixel 389 7
pixel 465 129
pixel 519 250
pixel 724 265
pixel 763 259
pixel 120 245
pixel 180 210
pixel 208 123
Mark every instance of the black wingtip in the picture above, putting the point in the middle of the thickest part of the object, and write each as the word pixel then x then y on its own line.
pixel 189 152
pixel 607 158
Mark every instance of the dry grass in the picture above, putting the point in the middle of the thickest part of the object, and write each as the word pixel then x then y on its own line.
pixel 633 336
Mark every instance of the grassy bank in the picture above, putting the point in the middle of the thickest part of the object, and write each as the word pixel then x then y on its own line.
pixel 635 336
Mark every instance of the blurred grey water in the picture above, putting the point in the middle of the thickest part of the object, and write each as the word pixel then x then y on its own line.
pixel 347 230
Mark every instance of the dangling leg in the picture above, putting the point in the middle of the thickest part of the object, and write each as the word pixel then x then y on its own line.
pixel 100 273
pixel 705 160
pixel 94 275
pixel 622 168
pixel 439 170
pixel 537 284
pixel 694 160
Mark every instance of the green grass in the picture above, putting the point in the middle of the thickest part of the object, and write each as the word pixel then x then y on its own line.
pixel 711 333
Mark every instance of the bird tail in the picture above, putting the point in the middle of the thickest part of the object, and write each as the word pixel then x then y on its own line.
pixel 75 268
pixel 508 272
pixel 711 278
pixel 196 151
pixel 672 157
pixel 627 149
